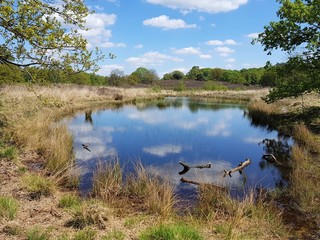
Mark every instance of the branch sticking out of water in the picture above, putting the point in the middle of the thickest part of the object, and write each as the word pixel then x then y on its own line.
pixel 186 167
pixel 239 168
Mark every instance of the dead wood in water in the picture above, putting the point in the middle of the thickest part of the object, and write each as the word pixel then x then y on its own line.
pixel 239 168
pixel 271 158
pixel 186 167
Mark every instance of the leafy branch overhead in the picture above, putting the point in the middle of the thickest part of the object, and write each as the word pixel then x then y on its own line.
pixel 298 33
pixel 45 33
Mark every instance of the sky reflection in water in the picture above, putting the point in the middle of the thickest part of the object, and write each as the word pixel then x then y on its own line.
pixel 160 134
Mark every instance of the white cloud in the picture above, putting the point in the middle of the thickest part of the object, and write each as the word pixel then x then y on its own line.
pixel 215 43
pixel 230 60
pixel 138 46
pixel 98 35
pixel 209 6
pixel 105 70
pixel 166 23
pixel 220 129
pixel 152 58
pixel 163 150
pixel 224 51
pixel 230 42
pixel 205 56
pixel 221 43
pixel 187 50
pixel 100 20
pixel 253 35
pixel 253 140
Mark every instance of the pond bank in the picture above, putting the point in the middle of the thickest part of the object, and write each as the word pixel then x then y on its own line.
pixel 45 208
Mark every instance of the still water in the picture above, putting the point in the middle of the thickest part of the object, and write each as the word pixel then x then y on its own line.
pixel 195 131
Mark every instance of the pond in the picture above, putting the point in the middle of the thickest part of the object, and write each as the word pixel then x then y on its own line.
pixel 161 133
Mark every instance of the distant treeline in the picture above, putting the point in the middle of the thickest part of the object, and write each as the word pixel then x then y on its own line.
pixel 264 76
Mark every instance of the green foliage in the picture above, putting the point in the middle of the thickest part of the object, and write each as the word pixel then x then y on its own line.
pixel 298 33
pixel 10 74
pixel 143 75
pixel 233 76
pixel 295 78
pixel 193 73
pixel 36 32
pixel 8 208
pixel 171 232
pixel 181 86
pixel 175 75
pixel 116 78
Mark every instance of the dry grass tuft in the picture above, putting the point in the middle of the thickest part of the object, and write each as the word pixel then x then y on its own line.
pixel 249 218
pixel 305 138
pixel 157 193
pixel 305 180
pixel 107 180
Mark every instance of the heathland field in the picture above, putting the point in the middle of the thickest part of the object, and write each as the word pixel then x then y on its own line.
pixel 39 197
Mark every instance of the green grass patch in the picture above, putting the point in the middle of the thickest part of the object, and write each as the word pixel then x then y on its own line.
pixel 86 234
pixel 213 86
pixel 38 233
pixel 177 231
pixel 39 185
pixel 8 208
pixel 114 235
pixel 8 152
pixel 70 201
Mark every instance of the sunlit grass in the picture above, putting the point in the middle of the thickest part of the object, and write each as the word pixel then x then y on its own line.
pixel 157 193
pixel 8 208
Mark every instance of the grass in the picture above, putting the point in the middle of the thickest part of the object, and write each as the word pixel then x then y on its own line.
pixel 305 180
pixel 38 233
pixel 8 208
pixel 107 180
pixel 157 193
pixel 89 213
pixel 257 214
pixel 114 235
pixel 305 138
pixel 86 234
pixel 70 201
pixel 178 231
pixel 8 152
pixel 38 185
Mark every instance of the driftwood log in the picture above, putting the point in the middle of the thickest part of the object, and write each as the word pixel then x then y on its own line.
pixel 271 158
pixel 239 168
pixel 186 167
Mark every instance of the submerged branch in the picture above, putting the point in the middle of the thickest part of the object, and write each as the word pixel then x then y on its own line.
pixel 186 167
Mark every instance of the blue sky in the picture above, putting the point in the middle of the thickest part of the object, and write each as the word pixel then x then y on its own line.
pixel 168 35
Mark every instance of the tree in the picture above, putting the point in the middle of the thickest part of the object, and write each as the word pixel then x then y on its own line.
pixel 116 77
pixel 45 33
pixel 143 75
pixel 298 33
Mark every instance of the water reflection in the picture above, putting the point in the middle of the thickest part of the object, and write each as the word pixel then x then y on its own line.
pixel 195 131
